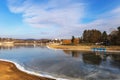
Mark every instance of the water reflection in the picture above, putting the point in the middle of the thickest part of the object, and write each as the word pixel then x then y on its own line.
pixel 115 60
pixel 95 58
pixel 6 47
pixel 10 47
pixel 91 58
pixel 75 54
pixel 70 64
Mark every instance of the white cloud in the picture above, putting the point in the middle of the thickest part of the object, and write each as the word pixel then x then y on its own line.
pixel 56 12
pixel 63 15
pixel 105 21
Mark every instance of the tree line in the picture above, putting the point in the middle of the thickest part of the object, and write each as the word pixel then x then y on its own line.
pixel 96 36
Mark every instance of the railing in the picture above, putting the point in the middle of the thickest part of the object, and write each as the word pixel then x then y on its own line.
pixel 99 49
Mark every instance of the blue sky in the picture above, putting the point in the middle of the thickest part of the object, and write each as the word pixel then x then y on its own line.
pixel 56 18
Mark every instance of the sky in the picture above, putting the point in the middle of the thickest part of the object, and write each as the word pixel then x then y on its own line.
pixel 57 18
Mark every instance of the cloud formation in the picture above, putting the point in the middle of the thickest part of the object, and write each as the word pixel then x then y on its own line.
pixel 64 17
pixel 52 13
pixel 105 21
pixel 62 14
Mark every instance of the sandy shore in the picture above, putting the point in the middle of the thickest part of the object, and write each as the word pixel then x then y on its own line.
pixel 84 47
pixel 8 71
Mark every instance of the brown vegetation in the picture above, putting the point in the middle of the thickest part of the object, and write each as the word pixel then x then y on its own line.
pixel 85 47
pixel 69 42
pixel 66 41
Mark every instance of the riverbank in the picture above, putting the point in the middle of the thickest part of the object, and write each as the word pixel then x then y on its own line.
pixel 9 71
pixel 84 47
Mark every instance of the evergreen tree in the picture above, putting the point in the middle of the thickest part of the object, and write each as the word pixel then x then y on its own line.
pixel 104 36
pixel 72 40
pixel 118 28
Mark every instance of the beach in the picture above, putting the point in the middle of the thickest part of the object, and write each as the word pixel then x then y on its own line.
pixel 83 47
pixel 8 71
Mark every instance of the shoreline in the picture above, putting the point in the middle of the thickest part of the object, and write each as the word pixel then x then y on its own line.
pixel 21 71
pixel 81 47
pixel 11 70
